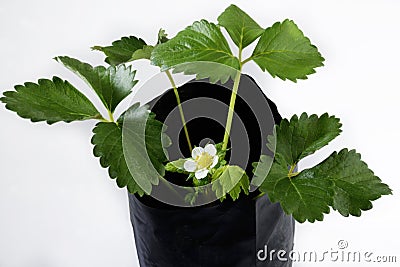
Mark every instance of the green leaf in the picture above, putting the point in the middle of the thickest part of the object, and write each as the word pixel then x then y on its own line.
pixel 354 184
pixel 201 42
pixel 240 26
pixel 176 166
pixel 111 84
pixel 341 181
pixel 142 146
pixel 261 170
pixel 162 37
pixel 232 181
pixel 305 199
pixel 143 53
pixel 108 146
pixel 285 52
pixel 192 196
pixel 144 140
pixel 302 136
pixel 203 70
pixel 121 51
pixel 51 101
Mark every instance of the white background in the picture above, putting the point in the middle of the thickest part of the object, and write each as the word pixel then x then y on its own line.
pixel 58 207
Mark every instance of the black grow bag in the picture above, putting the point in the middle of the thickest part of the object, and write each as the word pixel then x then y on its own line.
pixel 230 233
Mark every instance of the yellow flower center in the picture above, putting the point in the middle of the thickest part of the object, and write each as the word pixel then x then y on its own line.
pixel 204 160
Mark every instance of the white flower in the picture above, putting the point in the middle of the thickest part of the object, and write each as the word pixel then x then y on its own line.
pixel 202 161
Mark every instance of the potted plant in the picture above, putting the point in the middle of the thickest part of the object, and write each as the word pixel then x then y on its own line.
pixel 203 204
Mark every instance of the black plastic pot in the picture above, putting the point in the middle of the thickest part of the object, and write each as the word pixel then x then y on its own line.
pixel 232 233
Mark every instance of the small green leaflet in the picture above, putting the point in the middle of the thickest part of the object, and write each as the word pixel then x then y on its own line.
pixel 143 53
pixel 111 84
pixel 130 49
pixel 302 136
pixel 285 52
pixel 342 181
pixel 240 26
pixel 192 196
pixel 51 101
pixel 108 146
pixel 121 51
pixel 162 36
pixel 232 181
pixel 176 166
pixel 201 42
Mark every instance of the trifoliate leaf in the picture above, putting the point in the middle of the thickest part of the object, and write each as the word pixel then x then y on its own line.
pixel 143 53
pixel 201 42
pixel 121 51
pixel 144 140
pixel 354 184
pixel 51 101
pixel 305 199
pixel 285 52
pixel 232 181
pixel 108 146
pixel 342 181
pixel 111 84
pixel 302 136
pixel 240 26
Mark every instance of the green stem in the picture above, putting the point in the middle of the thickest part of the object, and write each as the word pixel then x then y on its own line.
pixel 235 88
pixel 292 168
pixel 100 118
pixel 247 60
pixel 229 119
pixel 259 195
pixel 178 99
pixel 291 171
pixel 110 114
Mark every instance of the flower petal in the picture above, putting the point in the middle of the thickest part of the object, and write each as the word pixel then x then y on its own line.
pixel 200 174
pixel 215 161
pixel 210 149
pixel 190 165
pixel 197 151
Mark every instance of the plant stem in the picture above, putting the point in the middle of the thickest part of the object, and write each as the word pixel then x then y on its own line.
pixel 247 60
pixel 110 114
pixel 229 119
pixel 100 118
pixel 259 195
pixel 291 173
pixel 292 168
pixel 235 88
pixel 178 99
